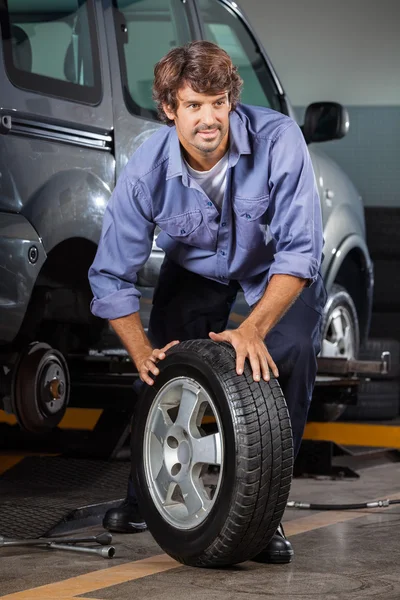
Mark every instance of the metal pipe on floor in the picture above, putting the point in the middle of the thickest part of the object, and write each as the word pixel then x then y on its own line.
pixel 104 539
pixel 104 551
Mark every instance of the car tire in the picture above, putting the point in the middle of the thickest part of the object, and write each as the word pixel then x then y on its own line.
pixel 377 401
pixel 339 309
pixel 386 284
pixel 373 350
pixel 215 502
pixel 340 313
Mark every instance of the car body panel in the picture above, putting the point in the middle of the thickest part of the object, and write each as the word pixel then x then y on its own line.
pixel 58 189
pixel 17 273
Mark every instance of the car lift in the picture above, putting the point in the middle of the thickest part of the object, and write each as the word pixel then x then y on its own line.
pixel 104 380
pixel 336 387
pixel 108 438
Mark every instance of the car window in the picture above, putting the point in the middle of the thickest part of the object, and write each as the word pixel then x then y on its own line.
pixel 50 46
pixel 146 30
pixel 223 27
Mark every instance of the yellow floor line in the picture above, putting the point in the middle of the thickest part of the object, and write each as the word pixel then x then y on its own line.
pixel 7 461
pixel 74 418
pixel 7 418
pixel 80 418
pixel 355 434
pixel 323 519
pixel 69 589
pixel 97 580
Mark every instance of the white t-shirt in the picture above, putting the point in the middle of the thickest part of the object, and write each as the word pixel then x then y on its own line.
pixel 213 182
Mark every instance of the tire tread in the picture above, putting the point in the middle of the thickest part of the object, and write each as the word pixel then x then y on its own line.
pixel 264 460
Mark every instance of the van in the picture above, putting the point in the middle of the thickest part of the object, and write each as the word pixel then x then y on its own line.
pixel 75 103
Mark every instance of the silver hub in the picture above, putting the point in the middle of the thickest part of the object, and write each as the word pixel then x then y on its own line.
pixel 183 452
pixel 339 335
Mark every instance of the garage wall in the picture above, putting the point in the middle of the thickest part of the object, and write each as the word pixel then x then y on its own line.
pixel 350 53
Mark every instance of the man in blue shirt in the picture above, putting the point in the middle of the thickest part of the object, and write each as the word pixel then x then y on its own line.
pixel 232 189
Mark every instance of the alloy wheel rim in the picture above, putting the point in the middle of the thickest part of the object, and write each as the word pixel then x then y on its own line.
pixel 183 453
pixel 339 338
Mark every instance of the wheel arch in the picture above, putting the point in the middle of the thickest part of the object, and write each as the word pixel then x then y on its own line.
pixel 62 296
pixel 69 205
pixel 351 267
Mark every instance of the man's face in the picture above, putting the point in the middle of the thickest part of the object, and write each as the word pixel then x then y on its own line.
pixel 202 121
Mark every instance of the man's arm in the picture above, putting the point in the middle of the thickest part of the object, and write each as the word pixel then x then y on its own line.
pixel 295 223
pixel 131 333
pixel 123 249
pixel 248 339
pixel 281 292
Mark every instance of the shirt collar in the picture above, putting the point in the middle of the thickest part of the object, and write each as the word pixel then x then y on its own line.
pixel 239 144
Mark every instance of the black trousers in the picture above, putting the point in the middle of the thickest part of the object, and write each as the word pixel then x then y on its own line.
pixel 187 306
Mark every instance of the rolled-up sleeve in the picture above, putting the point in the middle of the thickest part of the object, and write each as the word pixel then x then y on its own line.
pixel 124 247
pixel 294 211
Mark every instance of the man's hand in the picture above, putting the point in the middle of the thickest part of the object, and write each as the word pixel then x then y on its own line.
pixel 148 364
pixel 248 343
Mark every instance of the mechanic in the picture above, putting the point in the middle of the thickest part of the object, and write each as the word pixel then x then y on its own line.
pixel 233 191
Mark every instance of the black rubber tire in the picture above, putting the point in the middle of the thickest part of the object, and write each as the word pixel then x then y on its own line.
pixel 258 459
pixel 385 325
pixel 377 401
pixel 387 284
pixel 383 231
pixel 338 296
pixel 373 349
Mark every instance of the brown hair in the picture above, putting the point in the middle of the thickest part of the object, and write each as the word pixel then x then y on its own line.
pixel 204 66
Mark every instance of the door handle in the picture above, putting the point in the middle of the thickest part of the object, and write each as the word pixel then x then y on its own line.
pixel 5 124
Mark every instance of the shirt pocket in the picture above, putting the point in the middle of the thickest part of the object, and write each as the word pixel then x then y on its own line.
pixel 187 228
pixel 250 221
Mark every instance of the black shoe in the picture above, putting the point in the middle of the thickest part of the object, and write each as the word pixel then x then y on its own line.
pixel 126 518
pixel 279 550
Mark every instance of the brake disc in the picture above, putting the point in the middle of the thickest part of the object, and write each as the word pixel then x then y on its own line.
pixel 40 388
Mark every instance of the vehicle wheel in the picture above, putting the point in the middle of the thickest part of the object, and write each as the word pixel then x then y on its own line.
pixel 377 401
pixel 373 351
pixel 212 456
pixel 340 338
pixel 340 328
pixel 40 388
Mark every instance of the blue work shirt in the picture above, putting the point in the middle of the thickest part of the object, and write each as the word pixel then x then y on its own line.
pixel 270 221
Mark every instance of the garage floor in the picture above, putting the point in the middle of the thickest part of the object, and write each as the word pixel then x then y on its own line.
pixel 352 555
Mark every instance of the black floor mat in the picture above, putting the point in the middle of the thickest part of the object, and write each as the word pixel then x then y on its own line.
pixel 40 492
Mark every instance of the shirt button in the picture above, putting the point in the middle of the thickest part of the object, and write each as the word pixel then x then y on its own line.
pixel 209 203
pixel 223 253
pixel 223 224
pixel 183 231
pixel 247 216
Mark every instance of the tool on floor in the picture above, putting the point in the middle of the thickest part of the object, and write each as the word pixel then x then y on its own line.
pixel 104 539
pixel 360 505
pixel 70 544
pixel 104 551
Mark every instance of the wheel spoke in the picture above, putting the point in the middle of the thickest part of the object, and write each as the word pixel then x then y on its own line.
pixel 188 409
pixel 329 349
pixel 164 481
pixel 161 424
pixel 193 495
pixel 337 326
pixel 207 450
pixel 348 342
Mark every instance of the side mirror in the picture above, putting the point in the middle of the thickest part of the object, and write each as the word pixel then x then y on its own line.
pixel 325 121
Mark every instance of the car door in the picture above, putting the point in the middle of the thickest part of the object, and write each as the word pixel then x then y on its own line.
pixel 140 33
pixel 56 162
pixel 225 24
